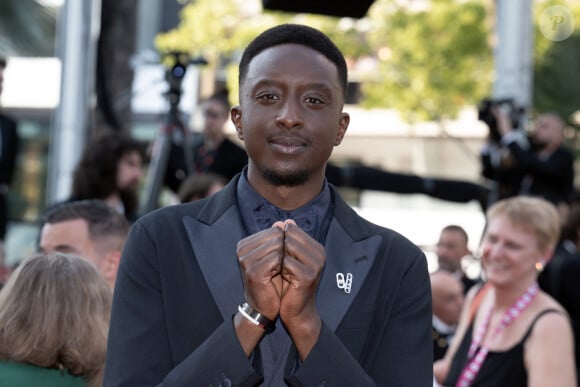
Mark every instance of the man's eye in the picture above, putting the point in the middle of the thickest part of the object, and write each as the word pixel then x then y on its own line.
pixel 314 100
pixel 268 97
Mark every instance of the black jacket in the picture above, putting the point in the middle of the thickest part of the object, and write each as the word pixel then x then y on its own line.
pixel 179 285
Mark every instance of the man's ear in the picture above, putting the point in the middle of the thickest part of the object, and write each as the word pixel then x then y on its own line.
pixel 343 122
pixel 236 117
pixel 111 265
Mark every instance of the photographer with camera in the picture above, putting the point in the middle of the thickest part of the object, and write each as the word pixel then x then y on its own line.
pixel 537 164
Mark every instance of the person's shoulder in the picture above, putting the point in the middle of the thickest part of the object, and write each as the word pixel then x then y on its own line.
pixel 564 151
pixel 351 219
pixel 551 319
pixel 211 207
pixel 165 217
pixel 548 312
pixel 394 237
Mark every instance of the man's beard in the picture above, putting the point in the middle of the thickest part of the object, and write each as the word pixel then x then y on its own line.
pixel 292 179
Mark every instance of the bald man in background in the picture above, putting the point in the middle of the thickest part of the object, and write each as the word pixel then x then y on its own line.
pixel 447 295
pixel 451 248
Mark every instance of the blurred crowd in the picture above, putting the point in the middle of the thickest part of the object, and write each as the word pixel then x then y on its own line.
pixel 55 305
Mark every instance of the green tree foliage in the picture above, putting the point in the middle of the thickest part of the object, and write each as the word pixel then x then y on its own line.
pixel 222 28
pixel 433 61
pixel 427 64
pixel 212 28
pixel 557 78
pixel 557 66
pixel 219 30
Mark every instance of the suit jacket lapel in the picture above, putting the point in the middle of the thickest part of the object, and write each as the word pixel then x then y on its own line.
pixel 343 255
pixel 214 245
pixel 214 235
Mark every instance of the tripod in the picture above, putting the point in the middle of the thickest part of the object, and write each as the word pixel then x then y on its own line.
pixel 173 135
pixel 174 140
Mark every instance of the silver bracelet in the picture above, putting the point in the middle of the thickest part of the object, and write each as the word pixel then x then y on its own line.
pixel 255 317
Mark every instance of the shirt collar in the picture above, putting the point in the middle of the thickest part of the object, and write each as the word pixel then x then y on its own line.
pixel 442 327
pixel 249 201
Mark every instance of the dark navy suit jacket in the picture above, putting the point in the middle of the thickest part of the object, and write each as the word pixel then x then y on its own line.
pixel 179 285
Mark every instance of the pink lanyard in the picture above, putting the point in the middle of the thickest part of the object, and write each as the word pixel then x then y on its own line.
pixel 478 357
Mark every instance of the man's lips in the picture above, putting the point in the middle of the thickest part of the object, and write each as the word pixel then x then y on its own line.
pixel 288 145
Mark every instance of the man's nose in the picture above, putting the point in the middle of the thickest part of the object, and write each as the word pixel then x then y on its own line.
pixel 289 115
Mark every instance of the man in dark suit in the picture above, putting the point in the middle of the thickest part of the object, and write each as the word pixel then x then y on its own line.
pixel 274 279
pixel 9 142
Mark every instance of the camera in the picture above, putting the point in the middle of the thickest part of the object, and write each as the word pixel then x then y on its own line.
pixel 507 106
pixel 177 63
pixel 174 75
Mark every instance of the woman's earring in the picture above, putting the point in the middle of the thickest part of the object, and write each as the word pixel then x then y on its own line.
pixel 540 266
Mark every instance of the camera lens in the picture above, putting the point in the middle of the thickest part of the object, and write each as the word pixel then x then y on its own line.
pixel 178 71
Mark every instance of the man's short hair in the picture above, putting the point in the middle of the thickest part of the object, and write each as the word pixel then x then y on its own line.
pixel 295 34
pixel 102 219
pixel 2 62
pixel 457 229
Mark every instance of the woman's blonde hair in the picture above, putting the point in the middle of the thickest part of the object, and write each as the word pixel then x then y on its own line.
pixel 54 313
pixel 531 213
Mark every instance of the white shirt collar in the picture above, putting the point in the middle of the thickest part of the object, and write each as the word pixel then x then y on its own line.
pixel 442 327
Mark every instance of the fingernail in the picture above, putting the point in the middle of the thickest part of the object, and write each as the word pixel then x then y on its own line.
pixel 279 224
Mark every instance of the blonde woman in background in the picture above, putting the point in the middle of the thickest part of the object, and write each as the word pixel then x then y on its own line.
pixel 54 314
pixel 511 333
